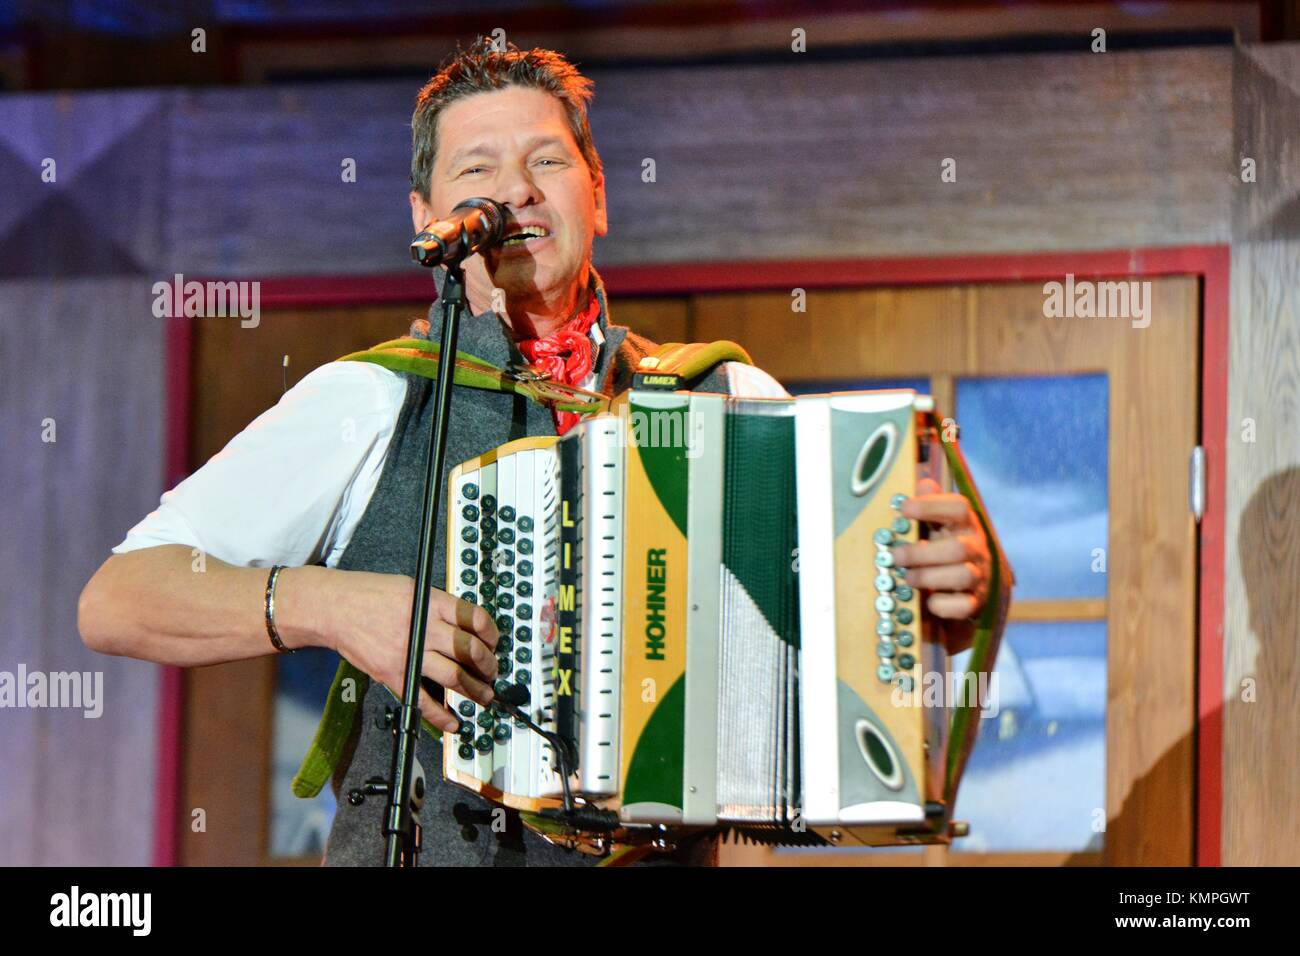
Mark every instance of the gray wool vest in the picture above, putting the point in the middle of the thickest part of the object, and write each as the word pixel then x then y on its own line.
pixel 457 824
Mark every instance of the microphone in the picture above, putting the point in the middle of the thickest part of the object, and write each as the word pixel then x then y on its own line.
pixel 474 225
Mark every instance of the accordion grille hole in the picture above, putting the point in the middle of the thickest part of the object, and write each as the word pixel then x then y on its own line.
pixel 873 459
pixel 879 754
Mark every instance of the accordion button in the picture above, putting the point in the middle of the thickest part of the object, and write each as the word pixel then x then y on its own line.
pixel 488 525
pixel 904 616
pixel 466 732
pixel 524 633
pixel 905 683
pixel 469 534
pixel 525 546
pixel 487 589
pixel 489 504
pixel 506 600
pixel 885 649
pixel 884 604
pixel 906 661
pixel 469 513
pixel 525 568
pixel 485 718
pixel 506 535
pixel 896 502
pixel 525 611
pixel 506 513
pixel 505 645
pixel 901 526
pixel 501 686
pixel 505 578
pixel 525 588
pixel 884 582
pixel 885 672
pixel 489 543
pixel 885 627
pixel 470 490
pixel 469 576
pixel 504 665
pixel 524 655
pixel 466 708
pixel 501 733
pixel 523 677
pixel 469 597
pixel 904 592
pixel 903 639
pixel 468 556
pixel 483 744
pixel 465 752
pixel 505 626
pixel 506 557
pixel 882 535
pixel 525 524
pixel 884 559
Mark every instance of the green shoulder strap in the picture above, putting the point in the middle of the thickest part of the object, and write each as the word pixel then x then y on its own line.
pixel 420 357
pixel 692 359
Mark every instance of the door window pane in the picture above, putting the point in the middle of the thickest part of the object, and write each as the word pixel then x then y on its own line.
pixel 1037 448
pixel 1036 780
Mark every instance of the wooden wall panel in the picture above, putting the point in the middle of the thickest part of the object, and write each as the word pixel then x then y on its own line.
pixel 1261 676
pixel 86 355
pixel 793 159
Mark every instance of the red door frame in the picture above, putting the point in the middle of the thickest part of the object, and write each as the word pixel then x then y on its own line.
pixel 1210 263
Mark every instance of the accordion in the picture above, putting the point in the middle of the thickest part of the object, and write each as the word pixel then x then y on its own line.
pixel 699 596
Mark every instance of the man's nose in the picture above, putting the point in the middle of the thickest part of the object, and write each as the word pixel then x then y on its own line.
pixel 516 188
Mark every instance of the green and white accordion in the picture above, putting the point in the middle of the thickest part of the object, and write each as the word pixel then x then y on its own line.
pixel 699 593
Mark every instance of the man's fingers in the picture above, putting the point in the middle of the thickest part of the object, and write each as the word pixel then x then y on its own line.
pixel 437 714
pixel 468 617
pixel 945 577
pixel 956 607
pixel 463 647
pixel 452 676
pixel 941 508
pixel 957 549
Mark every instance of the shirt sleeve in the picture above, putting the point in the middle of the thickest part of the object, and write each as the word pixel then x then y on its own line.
pixel 291 487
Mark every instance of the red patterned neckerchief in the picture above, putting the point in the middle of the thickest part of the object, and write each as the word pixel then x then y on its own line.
pixel 565 355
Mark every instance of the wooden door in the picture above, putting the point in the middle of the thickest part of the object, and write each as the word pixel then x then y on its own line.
pixel 959 337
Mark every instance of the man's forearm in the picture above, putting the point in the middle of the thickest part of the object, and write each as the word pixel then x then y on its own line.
pixel 156 604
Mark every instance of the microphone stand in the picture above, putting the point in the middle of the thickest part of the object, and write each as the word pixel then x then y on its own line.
pixel 406 792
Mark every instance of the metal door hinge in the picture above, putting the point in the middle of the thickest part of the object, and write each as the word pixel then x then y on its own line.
pixel 1196 483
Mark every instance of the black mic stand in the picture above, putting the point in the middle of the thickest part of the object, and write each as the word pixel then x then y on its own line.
pixel 405 790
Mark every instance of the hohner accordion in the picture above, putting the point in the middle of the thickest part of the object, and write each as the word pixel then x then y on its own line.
pixel 698 593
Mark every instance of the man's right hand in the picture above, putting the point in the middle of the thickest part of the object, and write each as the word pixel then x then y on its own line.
pixel 369 623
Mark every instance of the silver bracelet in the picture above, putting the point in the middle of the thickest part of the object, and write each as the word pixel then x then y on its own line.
pixel 270 611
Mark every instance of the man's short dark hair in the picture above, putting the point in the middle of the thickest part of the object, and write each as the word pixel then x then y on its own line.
pixel 482 68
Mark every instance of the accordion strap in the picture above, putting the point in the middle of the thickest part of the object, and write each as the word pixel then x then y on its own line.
pixel 421 357
pixel 691 360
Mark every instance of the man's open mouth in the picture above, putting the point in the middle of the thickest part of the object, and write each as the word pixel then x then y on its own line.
pixel 522 235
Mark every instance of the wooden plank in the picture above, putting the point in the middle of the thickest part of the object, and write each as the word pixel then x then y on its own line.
pixel 1076 609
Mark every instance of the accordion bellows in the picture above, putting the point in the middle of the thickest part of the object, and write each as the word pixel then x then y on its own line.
pixel 699 592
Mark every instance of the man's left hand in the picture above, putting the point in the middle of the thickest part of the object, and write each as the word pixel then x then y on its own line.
pixel 953 565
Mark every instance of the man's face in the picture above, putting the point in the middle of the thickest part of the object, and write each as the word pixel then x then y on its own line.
pixel 514 145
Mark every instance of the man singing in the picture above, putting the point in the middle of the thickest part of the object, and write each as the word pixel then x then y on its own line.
pixel 341 516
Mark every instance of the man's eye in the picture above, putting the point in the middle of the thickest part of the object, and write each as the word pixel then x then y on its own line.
pixel 472 169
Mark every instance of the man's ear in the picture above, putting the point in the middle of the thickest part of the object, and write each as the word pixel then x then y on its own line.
pixel 420 212
pixel 602 218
